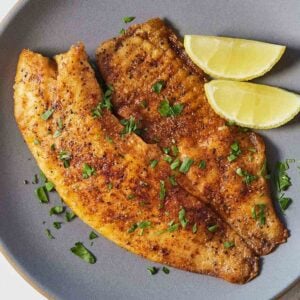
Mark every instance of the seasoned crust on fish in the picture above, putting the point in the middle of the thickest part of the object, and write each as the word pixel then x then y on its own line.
pixel 150 52
pixel 121 168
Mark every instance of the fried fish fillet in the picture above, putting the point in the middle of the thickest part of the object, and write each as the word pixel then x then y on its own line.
pixel 122 197
pixel 229 164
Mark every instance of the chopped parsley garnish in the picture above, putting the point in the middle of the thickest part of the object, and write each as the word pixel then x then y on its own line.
pixel 284 202
pixel 258 213
pixel 131 196
pixel 172 180
pixel 168 159
pixel 153 270
pixel 230 123
pixel 162 190
pixel 186 164
pixel 52 147
pixel 175 164
pixel 202 164
pixel 129 126
pixel 93 235
pixel 56 210
pixel 195 228
pixel 81 251
pixel 49 186
pixel 283 180
pixel 65 157
pixel 87 171
pixel 110 186
pixel 158 86
pixel 128 19
pixel 49 234
pixel 47 114
pixel 166 150
pixel 109 139
pixel 153 163
pixel 252 149
pixel 70 216
pixel 132 228
pixel 105 103
pixel 122 31
pixel 57 225
pixel 172 226
pixel 166 270
pixel 57 133
pixel 263 171
pixel 247 177
pixel 229 244
pixel 141 225
pixel 42 194
pixel 175 150
pixel 167 110
pixel 213 228
pixel 60 124
pixel 181 216
pixel 43 177
pixel 144 104
pixel 235 151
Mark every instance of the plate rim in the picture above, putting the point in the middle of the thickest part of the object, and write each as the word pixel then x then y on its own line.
pixel 12 259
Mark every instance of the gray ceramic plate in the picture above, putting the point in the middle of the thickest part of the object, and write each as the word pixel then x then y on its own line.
pixel 51 27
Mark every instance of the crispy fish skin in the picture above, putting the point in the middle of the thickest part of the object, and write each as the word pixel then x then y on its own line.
pixel 149 52
pixel 121 165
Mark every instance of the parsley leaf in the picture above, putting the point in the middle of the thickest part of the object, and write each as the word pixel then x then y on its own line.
pixel 65 157
pixel 70 216
pixel 186 164
pixel 283 180
pixel 93 235
pixel 49 234
pixel 153 163
pixel 81 251
pixel 129 126
pixel 47 114
pixel 56 210
pixel 166 270
pixel 158 86
pixel 105 103
pixel 172 180
pixel 258 213
pixel 182 219
pixel 202 164
pixel 152 270
pixel 235 151
pixel 57 225
pixel 87 171
pixel 195 228
pixel 42 194
pixel 284 202
pixel 229 244
pixel 175 150
pixel 175 164
pixel 167 110
pixel 162 190
pixel 128 19
pixel 247 177
pixel 213 228
pixel 49 186
pixel 172 226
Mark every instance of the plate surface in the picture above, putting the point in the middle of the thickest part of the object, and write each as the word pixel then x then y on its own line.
pixel 51 27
